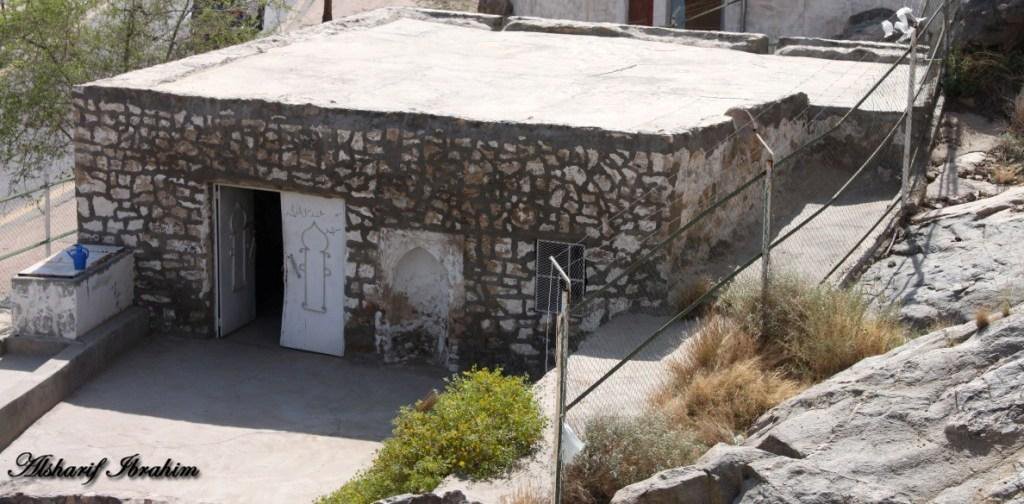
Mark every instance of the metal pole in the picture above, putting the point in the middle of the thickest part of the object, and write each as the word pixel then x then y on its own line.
pixel 743 16
pixel 947 25
pixel 561 351
pixel 909 126
pixel 766 225
pixel 766 237
pixel 46 211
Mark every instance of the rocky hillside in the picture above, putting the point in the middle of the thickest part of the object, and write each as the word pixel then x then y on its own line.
pixel 940 420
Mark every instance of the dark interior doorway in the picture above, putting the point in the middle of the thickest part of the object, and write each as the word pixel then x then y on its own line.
pixel 269 253
pixel 703 14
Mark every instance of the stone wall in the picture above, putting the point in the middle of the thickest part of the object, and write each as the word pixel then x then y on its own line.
pixel 146 164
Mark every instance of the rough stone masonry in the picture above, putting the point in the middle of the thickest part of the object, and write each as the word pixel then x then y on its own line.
pixel 147 159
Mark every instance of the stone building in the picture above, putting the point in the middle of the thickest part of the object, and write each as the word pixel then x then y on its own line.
pixel 384 182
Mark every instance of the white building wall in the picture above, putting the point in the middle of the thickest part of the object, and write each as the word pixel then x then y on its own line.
pixel 601 11
pixel 804 18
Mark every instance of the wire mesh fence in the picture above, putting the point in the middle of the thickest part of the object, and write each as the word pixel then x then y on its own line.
pixel 830 195
pixel 33 223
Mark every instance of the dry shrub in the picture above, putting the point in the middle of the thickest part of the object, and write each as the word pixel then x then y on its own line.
pixel 719 343
pixel 1004 175
pixel 722 403
pixel 740 363
pixel 719 385
pixel 1005 308
pixel 527 494
pixel 620 451
pixel 694 290
pixel 839 329
pixel 982 318
pixel 812 331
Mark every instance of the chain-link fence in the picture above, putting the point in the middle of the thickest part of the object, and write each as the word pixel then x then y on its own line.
pixel 33 224
pixel 829 198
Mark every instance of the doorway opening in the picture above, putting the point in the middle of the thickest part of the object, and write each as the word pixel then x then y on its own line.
pixel 250 255
pixel 703 15
pixel 269 254
pixel 280 268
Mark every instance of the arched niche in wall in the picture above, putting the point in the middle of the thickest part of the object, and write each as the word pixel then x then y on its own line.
pixel 421 282
pixel 421 287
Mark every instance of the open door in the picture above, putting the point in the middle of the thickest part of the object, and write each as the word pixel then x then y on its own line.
pixel 641 12
pixel 236 292
pixel 314 255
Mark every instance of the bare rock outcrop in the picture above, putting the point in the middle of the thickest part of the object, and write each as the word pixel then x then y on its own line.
pixel 937 420
pixel 955 261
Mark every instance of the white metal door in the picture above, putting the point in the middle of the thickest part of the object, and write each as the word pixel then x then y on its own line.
pixel 314 256
pixel 236 294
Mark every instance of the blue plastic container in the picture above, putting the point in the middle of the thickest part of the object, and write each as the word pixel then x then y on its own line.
pixel 78 255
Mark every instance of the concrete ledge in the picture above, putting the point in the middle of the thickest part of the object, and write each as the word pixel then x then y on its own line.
pixel 24 402
pixel 30 345
pixel 843 50
pixel 747 42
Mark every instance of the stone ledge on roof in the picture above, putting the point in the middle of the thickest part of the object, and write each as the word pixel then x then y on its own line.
pixel 844 50
pixel 747 42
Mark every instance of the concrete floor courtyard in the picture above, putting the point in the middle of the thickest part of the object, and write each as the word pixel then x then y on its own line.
pixel 262 423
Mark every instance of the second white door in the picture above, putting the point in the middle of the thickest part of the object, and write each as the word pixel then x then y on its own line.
pixel 313 318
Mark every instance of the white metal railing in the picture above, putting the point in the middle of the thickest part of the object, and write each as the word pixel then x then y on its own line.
pixel 47 214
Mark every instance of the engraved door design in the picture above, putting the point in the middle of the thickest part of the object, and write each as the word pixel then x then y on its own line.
pixel 240 246
pixel 236 295
pixel 315 256
pixel 313 318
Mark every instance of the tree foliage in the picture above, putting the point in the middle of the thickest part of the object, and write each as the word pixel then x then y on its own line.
pixel 49 46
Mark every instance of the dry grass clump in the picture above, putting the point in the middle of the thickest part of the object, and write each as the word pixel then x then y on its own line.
pixel 982 318
pixel 620 451
pixel 720 384
pixel 739 365
pixel 812 331
pixel 1004 175
pixel 526 494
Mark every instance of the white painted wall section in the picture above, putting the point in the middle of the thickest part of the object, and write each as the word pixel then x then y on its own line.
pixel 599 11
pixel 805 18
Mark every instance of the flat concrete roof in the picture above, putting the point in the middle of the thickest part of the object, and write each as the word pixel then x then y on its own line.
pixel 438 68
